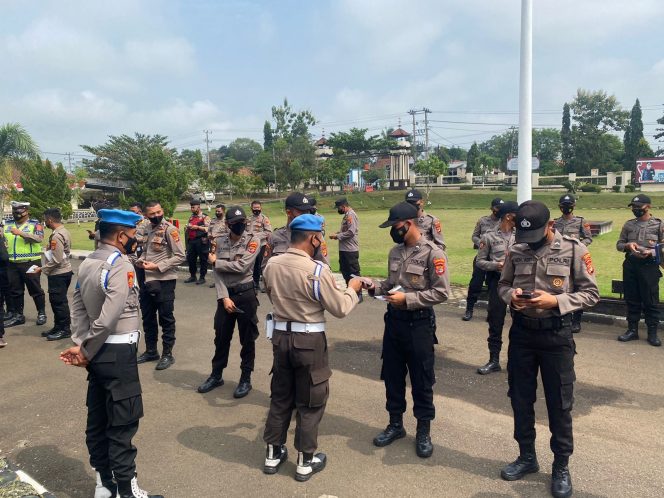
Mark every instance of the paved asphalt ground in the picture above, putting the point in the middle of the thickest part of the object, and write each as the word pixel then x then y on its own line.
pixel 193 445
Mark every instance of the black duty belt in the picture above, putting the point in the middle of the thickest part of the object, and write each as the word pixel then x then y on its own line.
pixel 241 288
pixel 640 261
pixel 409 315
pixel 549 323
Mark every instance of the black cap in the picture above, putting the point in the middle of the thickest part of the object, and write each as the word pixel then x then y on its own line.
pixel 497 202
pixel 339 202
pixel 299 201
pixel 401 212
pixel 507 207
pixel 235 213
pixel 195 202
pixel 413 196
pixel 567 199
pixel 531 221
pixel 639 201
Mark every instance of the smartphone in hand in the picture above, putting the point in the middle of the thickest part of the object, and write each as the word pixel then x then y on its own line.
pixel 527 295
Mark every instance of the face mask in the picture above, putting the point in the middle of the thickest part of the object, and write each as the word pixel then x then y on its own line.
pixel 399 234
pixel 238 228
pixel 219 215
pixel 131 244
pixel 256 212
pixel 536 245
pixel 18 215
pixel 638 212
pixel 155 220
pixel 340 211
pixel 316 247
pixel 567 209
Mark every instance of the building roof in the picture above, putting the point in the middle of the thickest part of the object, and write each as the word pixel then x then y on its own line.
pixel 399 132
pixel 321 141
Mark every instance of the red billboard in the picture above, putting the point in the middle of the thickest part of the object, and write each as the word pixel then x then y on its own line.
pixel 650 170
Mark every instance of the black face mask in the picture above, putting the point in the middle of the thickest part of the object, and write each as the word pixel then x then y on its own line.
pixel 238 228
pixel 256 212
pixel 567 209
pixel 536 245
pixel 155 220
pixel 399 234
pixel 340 211
pixel 131 244
pixel 18 215
pixel 638 212
pixel 219 215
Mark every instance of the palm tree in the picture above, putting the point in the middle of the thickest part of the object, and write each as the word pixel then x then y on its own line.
pixel 16 143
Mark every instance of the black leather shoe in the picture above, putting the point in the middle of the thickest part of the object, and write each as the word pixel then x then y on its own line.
pixel 41 318
pixel 210 384
pixel 423 445
pixel 200 281
pixel 306 467
pixel 467 316
pixel 46 333
pixel 653 340
pixel 576 327
pixel 561 481
pixel 148 356
pixel 242 389
pixel 274 457
pixel 58 335
pixel 190 280
pixel 492 366
pixel 165 361
pixel 14 321
pixel 629 335
pixel 526 464
pixel 391 433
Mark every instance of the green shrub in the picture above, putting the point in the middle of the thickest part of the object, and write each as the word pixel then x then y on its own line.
pixel 616 188
pixel 589 187
pixel 505 188
pixel 466 187
pixel 630 188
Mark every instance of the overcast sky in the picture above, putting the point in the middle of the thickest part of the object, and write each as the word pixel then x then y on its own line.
pixel 75 72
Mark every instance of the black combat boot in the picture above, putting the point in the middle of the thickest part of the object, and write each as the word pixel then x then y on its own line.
pixel 244 386
pixel 653 340
pixel 16 319
pixel 191 280
pixel 41 317
pixel 58 335
pixel 200 281
pixel 492 366
pixel 631 334
pixel 106 486
pixel 526 463
pixel 561 481
pixel 210 383
pixel 46 333
pixel 308 464
pixel 468 315
pixel 275 455
pixel 394 430
pixel 423 445
pixel 130 489
pixel 149 355
pixel 166 359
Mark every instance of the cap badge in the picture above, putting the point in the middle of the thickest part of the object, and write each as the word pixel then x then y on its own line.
pixel 636 199
pixel 525 223
pixel 410 194
pixel 238 212
pixel 305 200
pixel 501 201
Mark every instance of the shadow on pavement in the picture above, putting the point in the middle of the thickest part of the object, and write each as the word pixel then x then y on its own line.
pixel 61 475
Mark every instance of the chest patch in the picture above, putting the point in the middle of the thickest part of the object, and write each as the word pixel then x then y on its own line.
pixel 557 282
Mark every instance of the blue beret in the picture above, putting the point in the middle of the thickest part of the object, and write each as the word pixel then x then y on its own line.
pixel 119 217
pixel 307 223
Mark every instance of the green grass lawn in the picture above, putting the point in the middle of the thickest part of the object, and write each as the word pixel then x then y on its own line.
pixel 458 211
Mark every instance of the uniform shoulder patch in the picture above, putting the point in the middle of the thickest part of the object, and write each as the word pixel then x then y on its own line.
pixel 175 235
pixel 54 244
pixel 323 249
pixel 588 261
pixel 130 279
pixel 439 265
pixel 482 244
pixel 253 245
pixel 437 226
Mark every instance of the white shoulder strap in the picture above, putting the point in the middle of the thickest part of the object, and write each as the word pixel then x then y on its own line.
pixel 316 284
pixel 103 278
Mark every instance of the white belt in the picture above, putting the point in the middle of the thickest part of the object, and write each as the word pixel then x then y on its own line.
pixel 128 338
pixel 300 327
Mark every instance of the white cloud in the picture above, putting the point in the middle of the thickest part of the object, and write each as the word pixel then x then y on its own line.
pixel 165 55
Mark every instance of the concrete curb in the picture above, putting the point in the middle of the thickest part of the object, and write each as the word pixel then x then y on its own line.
pixel 13 480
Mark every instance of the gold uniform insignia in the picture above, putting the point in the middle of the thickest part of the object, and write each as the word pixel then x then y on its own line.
pixel 558 282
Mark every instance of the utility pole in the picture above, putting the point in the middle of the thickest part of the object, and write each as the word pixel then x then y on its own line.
pixel 69 161
pixel 414 112
pixel 426 132
pixel 207 147
pixel 524 185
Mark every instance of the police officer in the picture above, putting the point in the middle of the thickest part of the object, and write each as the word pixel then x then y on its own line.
pixel 639 239
pixel 546 277
pixel 494 246
pixel 301 289
pixel 296 204
pixel 428 224
pixel 105 330
pixel 349 244
pixel 198 242
pixel 4 284
pixel 24 237
pixel 260 225
pixel 141 233
pixel 217 226
pixel 576 227
pixel 233 262
pixel 161 256
pixel 57 268
pixel 418 279
pixel 483 225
